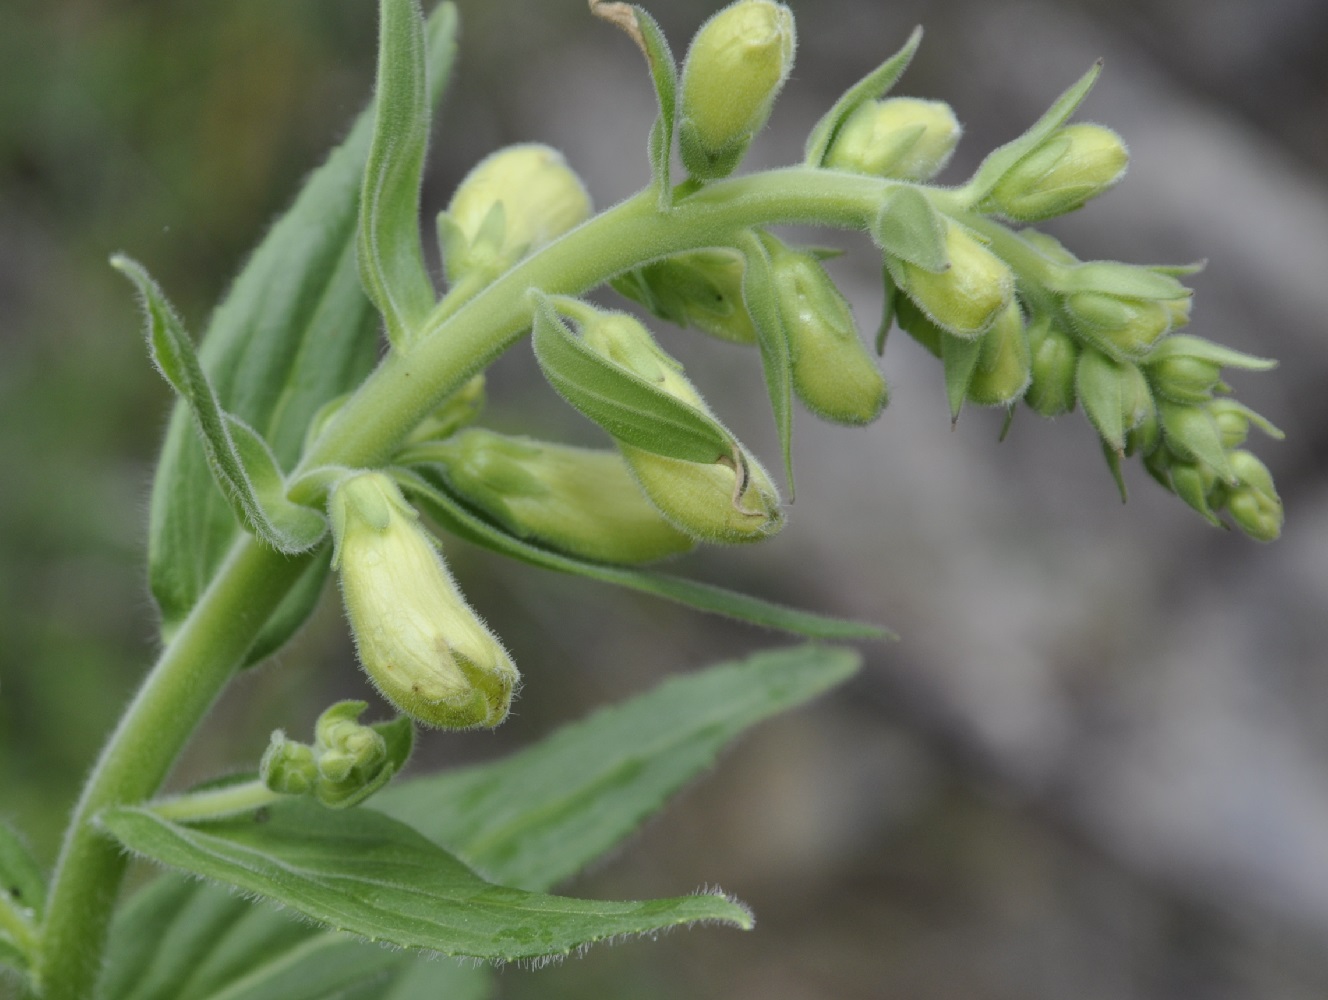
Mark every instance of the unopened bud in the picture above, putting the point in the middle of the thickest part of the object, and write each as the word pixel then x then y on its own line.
pixel 579 500
pixel 1124 309
pixel 512 202
pixel 458 410
pixel 832 372
pixel 712 501
pixel 348 753
pixel 1115 395
pixel 700 288
pixel 288 767
pixel 1055 355
pixel 1074 164
pixel 735 66
pixel 1253 503
pixel 967 296
pixel 903 138
pixel 419 642
pixel 1003 367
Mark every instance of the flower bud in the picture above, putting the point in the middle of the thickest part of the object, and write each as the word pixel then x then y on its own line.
pixel 736 64
pixel 578 500
pixel 624 340
pixel 832 372
pixel 1002 371
pixel 708 500
pixel 1072 165
pixel 288 767
pixel 701 288
pixel 903 138
pixel 512 202
pixel 1123 309
pixel 419 642
pixel 967 296
pixel 1254 504
pixel 1115 394
pixel 1055 355
pixel 348 753
pixel 458 410
pixel 1192 434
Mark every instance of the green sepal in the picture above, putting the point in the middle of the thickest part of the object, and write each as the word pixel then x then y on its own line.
pixel 1127 281
pixel 874 85
pixel 889 306
pixel 1001 159
pixel 1098 384
pixel 1113 460
pixel 429 491
pixel 391 259
pixel 631 409
pixel 540 815
pixel 909 227
pixel 1189 346
pixel 361 871
pixel 645 31
pixel 959 358
pixel 1191 432
pixel 772 338
pixel 242 462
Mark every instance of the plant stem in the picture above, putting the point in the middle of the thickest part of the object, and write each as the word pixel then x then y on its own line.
pixel 454 344
pixel 192 670
pixel 215 802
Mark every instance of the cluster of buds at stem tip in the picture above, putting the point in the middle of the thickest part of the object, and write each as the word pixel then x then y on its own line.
pixel 512 202
pixel 418 640
pixel 733 500
pixel 735 67
pixel 903 138
pixel 347 762
pixel 581 501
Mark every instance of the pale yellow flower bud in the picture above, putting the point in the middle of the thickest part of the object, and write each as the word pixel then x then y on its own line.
pixel 966 297
pixel 904 138
pixel 419 642
pixel 512 202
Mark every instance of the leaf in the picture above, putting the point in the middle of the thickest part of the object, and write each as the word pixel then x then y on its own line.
pixel 361 871
pixel 762 300
pixel 22 884
pixel 181 939
pixel 645 31
pixel 389 252
pixel 959 358
pixel 241 460
pixel 871 87
pixel 431 493
pixel 999 161
pixel 624 404
pixel 538 816
pixel 294 332
pixel 910 228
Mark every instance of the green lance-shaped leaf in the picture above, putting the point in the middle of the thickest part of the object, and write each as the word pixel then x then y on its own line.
pixel 361 871
pixel 1002 159
pixel 760 294
pixel 624 404
pixel 874 85
pixel 429 491
pixel 645 31
pixel 182 939
pixel 241 460
pixel 539 816
pixel 294 332
pixel 388 246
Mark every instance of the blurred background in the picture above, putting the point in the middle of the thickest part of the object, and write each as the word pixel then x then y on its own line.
pixel 1095 765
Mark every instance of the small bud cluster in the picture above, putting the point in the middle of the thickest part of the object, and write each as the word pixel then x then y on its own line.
pixel 346 763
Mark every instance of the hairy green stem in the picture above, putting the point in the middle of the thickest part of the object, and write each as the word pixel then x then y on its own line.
pixel 215 802
pixel 202 656
pixel 454 344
